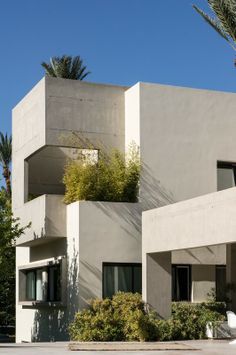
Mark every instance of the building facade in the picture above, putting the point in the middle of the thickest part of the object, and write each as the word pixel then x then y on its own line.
pixel 72 253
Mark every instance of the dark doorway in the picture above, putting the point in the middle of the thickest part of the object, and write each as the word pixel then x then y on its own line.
pixel 181 282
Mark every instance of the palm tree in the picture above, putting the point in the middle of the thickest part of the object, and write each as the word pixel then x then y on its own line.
pixel 5 159
pixel 224 20
pixel 66 67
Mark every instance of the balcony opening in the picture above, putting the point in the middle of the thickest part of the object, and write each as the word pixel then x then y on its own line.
pixel 226 175
pixel 44 169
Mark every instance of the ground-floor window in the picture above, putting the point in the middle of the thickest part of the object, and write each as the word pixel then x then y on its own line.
pixel 43 284
pixel 124 277
pixel 181 283
pixel 220 283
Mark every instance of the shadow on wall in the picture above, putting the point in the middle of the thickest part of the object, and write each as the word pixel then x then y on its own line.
pixel 51 323
pixel 89 286
pixel 126 215
pixel 152 193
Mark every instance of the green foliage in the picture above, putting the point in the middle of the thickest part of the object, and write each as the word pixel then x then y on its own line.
pixel 188 321
pixel 124 318
pixel 66 67
pixel 224 20
pixel 114 177
pixel 121 318
pixel 9 231
pixel 5 159
pixel 192 318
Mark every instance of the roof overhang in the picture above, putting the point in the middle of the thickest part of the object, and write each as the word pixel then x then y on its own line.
pixel 199 222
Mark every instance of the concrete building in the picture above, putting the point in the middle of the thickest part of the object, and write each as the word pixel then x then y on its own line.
pixel 84 250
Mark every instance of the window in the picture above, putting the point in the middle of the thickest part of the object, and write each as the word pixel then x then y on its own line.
pixel 181 283
pixel 43 284
pixel 226 175
pixel 220 283
pixel 121 277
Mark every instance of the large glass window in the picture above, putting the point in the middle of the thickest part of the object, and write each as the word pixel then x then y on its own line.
pixel 44 284
pixel 181 283
pixel 121 277
pixel 226 175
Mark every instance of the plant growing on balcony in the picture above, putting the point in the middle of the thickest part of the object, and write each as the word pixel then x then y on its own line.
pixel 114 176
pixel 66 67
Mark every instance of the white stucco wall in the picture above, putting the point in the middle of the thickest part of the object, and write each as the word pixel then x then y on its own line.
pixel 183 132
pixel 101 232
pixel 95 110
pixel 210 255
pixel 28 135
pixel 202 221
pixel 47 217
pixel 132 116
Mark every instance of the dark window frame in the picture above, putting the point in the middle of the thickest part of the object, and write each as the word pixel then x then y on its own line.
pixel 48 267
pixel 113 264
pixel 227 165
pixel 174 293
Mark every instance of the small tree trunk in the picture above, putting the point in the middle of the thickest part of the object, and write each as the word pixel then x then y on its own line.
pixel 7 176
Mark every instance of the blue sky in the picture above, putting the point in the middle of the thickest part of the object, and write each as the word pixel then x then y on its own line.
pixel 121 42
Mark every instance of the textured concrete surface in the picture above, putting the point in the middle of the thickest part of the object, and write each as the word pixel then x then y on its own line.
pixel 198 222
pixel 128 346
pixel 202 347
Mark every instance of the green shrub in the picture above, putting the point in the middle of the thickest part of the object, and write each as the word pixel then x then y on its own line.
pixel 188 321
pixel 96 323
pixel 114 177
pixel 193 318
pixel 121 318
pixel 124 318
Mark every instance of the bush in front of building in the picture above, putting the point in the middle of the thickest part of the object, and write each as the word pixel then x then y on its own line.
pixel 188 320
pixel 124 318
pixel 121 318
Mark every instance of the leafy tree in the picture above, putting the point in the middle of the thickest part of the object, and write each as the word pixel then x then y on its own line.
pixel 5 159
pixel 10 230
pixel 66 67
pixel 224 20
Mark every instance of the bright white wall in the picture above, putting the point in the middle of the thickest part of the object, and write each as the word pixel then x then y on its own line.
pixel 102 232
pixel 202 221
pixel 132 116
pixel 183 132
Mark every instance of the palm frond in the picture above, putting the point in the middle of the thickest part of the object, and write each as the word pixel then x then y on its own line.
pixel 66 67
pixel 213 23
pixel 225 11
pixel 48 69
